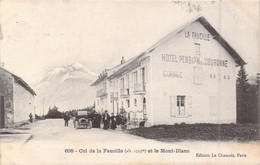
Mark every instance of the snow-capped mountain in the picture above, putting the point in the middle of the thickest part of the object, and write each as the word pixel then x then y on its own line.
pixel 67 87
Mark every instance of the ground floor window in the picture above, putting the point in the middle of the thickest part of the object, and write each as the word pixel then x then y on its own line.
pixel 128 103
pixel 180 106
pixel 213 105
pixel 144 107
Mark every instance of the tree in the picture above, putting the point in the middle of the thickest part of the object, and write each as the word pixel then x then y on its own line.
pixel 247 99
pixel 54 113
pixel 242 81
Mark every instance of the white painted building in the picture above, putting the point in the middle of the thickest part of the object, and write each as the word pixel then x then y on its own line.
pixel 16 99
pixel 188 76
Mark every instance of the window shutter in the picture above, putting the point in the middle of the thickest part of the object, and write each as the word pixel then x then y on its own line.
pixel 189 105
pixel 172 106
pixel 200 76
pixel 139 74
pixel 146 74
pixel 131 79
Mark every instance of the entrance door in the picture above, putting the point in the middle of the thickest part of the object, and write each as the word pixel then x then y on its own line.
pixel 2 116
pixel 181 105
pixel 143 78
pixel 144 107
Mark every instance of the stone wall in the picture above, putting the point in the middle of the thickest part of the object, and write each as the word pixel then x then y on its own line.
pixel 6 90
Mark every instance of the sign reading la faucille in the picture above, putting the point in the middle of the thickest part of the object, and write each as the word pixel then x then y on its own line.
pixel 196 35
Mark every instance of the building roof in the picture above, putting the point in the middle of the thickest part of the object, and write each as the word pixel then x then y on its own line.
pixel 212 31
pixel 134 62
pixel 100 79
pixel 132 65
pixel 114 70
pixel 21 82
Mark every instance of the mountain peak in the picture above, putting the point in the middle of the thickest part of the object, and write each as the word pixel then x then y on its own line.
pixel 72 70
pixel 75 66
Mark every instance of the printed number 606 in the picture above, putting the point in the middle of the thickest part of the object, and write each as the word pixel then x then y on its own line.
pixel 69 150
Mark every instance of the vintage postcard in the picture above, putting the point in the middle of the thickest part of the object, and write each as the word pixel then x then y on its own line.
pixel 129 82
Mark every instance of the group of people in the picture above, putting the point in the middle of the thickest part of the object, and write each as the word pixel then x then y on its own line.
pixel 109 121
pixel 114 121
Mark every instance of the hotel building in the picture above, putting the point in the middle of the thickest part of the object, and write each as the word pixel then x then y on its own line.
pixel 188 76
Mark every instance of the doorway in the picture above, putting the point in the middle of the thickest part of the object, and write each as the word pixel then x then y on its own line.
pixel 144 107
pixel 2 114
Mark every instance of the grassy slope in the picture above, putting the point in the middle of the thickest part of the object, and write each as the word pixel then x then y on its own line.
pixel 208 132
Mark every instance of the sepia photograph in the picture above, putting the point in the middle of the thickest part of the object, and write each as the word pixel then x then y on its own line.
pixel 129 82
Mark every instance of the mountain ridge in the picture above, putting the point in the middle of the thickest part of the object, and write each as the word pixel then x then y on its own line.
pixel 67 87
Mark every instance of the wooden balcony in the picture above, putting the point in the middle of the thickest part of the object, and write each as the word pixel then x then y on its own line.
pixel 101 93
pixel 124 93
pixel 139 89
pixel 115 96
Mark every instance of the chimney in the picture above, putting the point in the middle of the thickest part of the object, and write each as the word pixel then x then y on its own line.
pixel 123 60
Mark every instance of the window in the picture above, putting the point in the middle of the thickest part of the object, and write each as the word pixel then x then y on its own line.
pixel 135 78
pixel 122 83
pixel 128 103
pixel 127 81
pixel 172 106
pixel 181 106
pixel 144 106
pixel 213 105
pixel 197 76
pixel 226 77
pixel 212 76
pixel 135 101
pixel 112 97
pixel 104 86
pixel 197 48
pixel 143 75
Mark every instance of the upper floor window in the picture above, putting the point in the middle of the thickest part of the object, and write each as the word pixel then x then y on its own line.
pixel 135 101
pixel 143 75
pixel 197 76
pixel 128 103
pixel 127 81
pixel 135 76
pixel 197 48
pixel 122 83
pixel 104 86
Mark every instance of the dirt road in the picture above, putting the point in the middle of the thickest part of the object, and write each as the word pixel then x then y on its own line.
pixel 52 143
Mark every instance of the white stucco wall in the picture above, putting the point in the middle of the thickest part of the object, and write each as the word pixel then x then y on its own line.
pixel 198 106
pixel 23 103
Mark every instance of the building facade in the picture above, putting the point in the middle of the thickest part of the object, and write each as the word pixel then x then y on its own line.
pixel 16 99
pixel 188 76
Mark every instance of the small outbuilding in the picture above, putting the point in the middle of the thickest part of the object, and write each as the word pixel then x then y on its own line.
pixel 16 99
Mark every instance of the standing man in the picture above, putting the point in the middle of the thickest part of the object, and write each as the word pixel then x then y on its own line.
pixel 106 119
pixel 74 114
pixel 31 117
pixel 113 121
pixel 66 118
pixel 94 119
pixel 118 119
pixel 124 120
pixel 98 119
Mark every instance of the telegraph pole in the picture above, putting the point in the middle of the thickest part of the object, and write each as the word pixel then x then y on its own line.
pixel 43 101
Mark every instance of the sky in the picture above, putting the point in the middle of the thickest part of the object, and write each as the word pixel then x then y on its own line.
pixel 39 35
